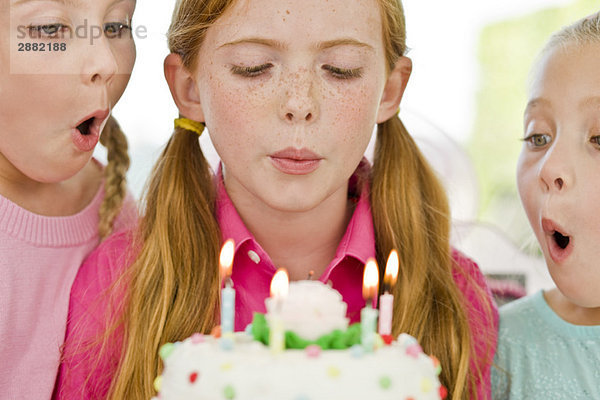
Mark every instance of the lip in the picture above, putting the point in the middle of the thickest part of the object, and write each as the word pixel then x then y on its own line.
pixel 558 254
pixel 86 143
pixel 294 161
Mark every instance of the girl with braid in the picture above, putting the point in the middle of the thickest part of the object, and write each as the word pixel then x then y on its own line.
pixel 290 93
pixel 56 202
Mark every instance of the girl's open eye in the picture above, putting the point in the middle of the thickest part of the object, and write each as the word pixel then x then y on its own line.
pixel 538 140
pixel 251 72
pixel 47 31
pixel 595 140
pixel 115 29
pixel 343 73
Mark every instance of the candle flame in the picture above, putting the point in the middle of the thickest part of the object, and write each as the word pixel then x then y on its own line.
pixel 370 279
pixel 391 270
pixel 226 258
pixel 280 284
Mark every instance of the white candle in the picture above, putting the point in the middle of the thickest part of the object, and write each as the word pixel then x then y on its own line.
pixel 227 292
pixel 386 300
pixel 279 289
pixel 368 315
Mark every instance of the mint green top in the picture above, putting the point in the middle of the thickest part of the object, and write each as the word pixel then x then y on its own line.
pixel 544 356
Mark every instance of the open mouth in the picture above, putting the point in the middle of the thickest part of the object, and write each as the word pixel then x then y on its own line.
pixel 561 240
pixel 84 127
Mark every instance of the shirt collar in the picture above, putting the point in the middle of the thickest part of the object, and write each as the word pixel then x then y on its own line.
pixel 358 241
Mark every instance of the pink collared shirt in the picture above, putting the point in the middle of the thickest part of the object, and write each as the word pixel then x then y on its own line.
pixel 253 268
pixel 252 274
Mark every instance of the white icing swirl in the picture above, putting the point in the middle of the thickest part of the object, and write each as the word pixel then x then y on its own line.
pixel 311 309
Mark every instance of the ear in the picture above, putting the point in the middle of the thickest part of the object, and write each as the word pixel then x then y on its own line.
pixel 183 88
pixel 394 89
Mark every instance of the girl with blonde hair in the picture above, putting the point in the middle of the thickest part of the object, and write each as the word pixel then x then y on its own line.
pixel 57 202
pixel 290 93
pixel 549 345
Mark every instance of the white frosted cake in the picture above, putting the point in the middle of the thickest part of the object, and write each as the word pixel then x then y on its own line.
pixel 204 367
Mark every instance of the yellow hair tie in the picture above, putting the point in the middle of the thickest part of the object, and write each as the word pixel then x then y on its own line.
pixel 190 125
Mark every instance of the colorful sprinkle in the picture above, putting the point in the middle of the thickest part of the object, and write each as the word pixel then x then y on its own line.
pixel 414 350
pixel 357 351
pixel 385 382
pixel 426 385
pixel 197 338
pixel 229 392
pixel 216 331
pixel 443 392
pixel 226 366
pixel 405 340
pixel 166 350
pixel 313 351
pixel 387 339
pixel 333 372
pixel 193 377
pixel 226 343
pixel 158 383
pixel 378 342
pixel 436 365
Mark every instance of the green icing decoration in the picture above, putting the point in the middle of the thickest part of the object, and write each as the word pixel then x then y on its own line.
pixel 229 392
pixel 166 350
pixel 336 340
pixel 385 382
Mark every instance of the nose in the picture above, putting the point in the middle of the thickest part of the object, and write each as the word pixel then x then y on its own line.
pixel 556 171
pixel 100 64
pixel 299 102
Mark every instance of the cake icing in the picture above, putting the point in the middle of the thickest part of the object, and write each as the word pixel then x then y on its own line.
pixel 242 366
pixel 200 368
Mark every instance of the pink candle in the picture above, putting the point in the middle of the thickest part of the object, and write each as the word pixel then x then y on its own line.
pixel 386 300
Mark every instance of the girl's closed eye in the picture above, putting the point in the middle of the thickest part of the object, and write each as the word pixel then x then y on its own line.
pixel 251 71
pixel 343 73
pixel 538 140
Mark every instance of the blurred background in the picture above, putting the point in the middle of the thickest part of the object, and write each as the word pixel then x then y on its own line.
pixel 463 104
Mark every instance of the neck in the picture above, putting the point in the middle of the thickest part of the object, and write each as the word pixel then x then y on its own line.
pixel 300 242
pixel 571 312
pixel 53 199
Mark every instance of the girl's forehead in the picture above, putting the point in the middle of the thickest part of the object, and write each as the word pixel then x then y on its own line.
pixel 290 21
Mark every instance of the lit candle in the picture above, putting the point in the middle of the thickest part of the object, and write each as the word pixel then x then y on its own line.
pixel 279 289
pixel 227 290
pixel 386 300
pixel 368 315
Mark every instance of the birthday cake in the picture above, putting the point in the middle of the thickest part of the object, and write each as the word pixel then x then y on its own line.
pixel 323 358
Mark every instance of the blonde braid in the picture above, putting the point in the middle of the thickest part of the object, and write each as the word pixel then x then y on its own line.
pixel 115 185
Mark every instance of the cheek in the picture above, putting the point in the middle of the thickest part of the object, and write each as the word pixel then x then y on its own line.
pixel 353 111
pixel 236 114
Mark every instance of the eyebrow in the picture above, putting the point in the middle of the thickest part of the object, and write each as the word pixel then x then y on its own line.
pixel 538 101
pixel 65 2
pixel 70 3
pixel 282 46
pixel 593 101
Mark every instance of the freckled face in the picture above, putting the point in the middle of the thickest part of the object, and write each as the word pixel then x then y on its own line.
pixel 290 93
pixel 558 173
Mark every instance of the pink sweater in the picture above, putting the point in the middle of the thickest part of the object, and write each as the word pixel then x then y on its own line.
pixel 39 258
pixel 252 272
